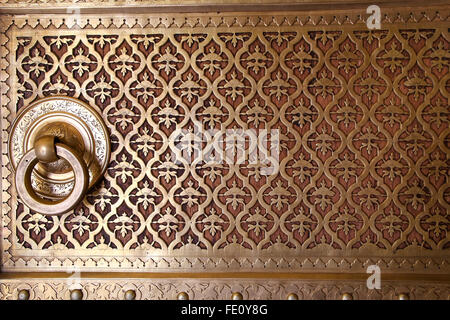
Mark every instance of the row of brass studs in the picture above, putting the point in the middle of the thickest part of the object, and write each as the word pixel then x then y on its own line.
pixel 290 296
pixel 77 294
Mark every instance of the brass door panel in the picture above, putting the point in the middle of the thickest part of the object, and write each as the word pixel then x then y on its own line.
pixel 363 173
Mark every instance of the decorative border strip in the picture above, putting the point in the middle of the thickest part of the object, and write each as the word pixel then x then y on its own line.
pixel 212 289
pixel 4 125
pixel 215 20
pixel 186 264
pixel 178 3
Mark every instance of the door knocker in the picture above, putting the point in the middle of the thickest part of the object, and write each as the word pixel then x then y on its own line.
pixel 59 148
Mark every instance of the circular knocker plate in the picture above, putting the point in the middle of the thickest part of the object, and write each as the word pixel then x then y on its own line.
pixel 73 123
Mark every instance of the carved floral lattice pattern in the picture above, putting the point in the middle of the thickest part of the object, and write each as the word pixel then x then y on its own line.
pixel 363 119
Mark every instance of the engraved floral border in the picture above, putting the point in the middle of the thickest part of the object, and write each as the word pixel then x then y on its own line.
pixel 212 289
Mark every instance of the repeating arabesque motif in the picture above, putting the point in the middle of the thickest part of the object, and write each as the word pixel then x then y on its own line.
pixel 213 289
pixel 363 121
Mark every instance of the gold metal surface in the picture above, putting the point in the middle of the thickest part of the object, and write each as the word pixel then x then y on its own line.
pixel 182 296
pixel 130 295
pixel 364 164
pixel 76 294
pixel 44 206
pixel 403 296
pixel 236 296
pixel 174 6
pixel 292 296
pixel 221 289
pixel 73 123
pixel 347 296
pixel 62 165
pixel 363 168
pixel 23 295
pixel 45 149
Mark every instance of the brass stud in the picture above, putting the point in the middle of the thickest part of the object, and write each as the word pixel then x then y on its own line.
pixel 292 296
pixel 23 294
pixel 76 294
pixel 130 295
pixel 347 296
pixel 403 296
pixel 237 296
pixel 183 296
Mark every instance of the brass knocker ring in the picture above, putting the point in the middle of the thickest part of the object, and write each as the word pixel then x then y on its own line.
pixel 59 148
pixel 46 150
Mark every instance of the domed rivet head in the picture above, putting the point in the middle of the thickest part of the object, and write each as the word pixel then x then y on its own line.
pixel 347 296
pixel 292 296
pixel 76 294
pixel 23 295
pixel 403 296
pixel 237 296
pixel 183 296
pixel 130 295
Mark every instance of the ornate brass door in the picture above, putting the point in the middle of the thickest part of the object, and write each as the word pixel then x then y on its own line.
pixel 361 116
